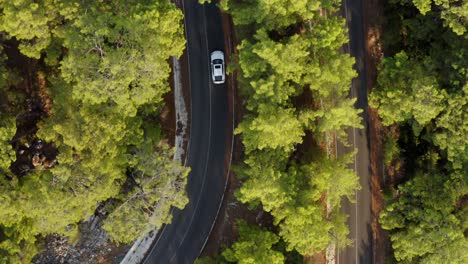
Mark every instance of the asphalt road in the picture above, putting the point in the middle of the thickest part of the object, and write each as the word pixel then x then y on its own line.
pixel 183 240
pixel 359 221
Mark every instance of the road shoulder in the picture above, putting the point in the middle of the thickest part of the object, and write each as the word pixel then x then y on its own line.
pixel 373 19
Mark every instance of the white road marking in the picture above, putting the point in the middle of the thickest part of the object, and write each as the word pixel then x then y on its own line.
pixel 229 166
pixel 209 138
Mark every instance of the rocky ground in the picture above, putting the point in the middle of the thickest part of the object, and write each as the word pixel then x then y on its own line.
pixel 92 246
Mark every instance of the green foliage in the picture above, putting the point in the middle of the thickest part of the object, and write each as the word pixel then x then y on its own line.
pixel 7 124
pixel 92 143
pixel 453 12
pixel 295 52
pixel 107 72
pixel 333 177
pixel 391 150
pixel 406 89
pixel 333 118
pixel 126 63
pixel 267 180
pixel 276 14
pixel 453 135
pixel 306 230
pixel 308 227
pixel 294 197
pixel 29 21
pixel 423 89
pixel 272 66
pixel 272 128
pixel 7 131
pixel 330 71
pixel 17 240
pixel 424 227
pixel 12 102
pixel 253 246
pixel 21 246
pixel 160 183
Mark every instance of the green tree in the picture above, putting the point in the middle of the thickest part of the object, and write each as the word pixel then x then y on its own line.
pixel 160 183
pixel 453 135
pixel 272 68
pixel 424 85
pixel 424 227
pixel 253 246
pixel 332 117
pixel 266 179
pixel 294 196
pixel 7 122
pixel 21 246
pixel 305 229
pixel 30 22
pixel 329 71
pixel 126 61
pixel 406 90
pixel 333 177
pixel 307 226
pixel 295 47
pixel 7 131
pixel 454 13
pixel 107 72
pixel 271 14
pixel 272 128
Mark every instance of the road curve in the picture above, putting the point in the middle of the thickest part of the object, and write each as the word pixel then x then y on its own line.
pixel 359 221
pixel 183 239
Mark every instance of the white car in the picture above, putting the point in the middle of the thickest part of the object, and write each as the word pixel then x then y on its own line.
pixel 217 67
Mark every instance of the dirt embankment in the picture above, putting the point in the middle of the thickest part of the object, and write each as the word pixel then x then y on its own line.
pixel 373 27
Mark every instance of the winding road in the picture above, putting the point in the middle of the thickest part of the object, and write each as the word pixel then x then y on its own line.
pixel 183 239
pixel 359 221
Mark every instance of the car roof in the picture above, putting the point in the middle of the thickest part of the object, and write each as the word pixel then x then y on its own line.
pixel 218 71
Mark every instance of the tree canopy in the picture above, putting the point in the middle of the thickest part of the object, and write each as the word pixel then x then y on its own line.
pixel 294 53
pixel 271 14
pixel 407 89
pixel 421 91
pixel 99 70
pixel 428 228
pixel 253 246
pixel 453 12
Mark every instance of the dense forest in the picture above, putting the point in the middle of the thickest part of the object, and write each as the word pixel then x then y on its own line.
pixel 422 97
pixel 81 86
pixel 294 81
pixel 81 91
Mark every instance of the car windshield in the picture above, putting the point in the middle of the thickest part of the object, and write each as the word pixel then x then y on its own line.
pixel 217 61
